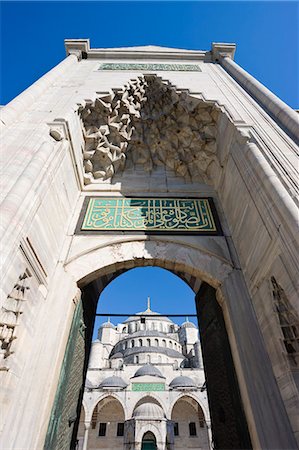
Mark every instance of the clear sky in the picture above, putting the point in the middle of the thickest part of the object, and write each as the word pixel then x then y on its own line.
pixel 266 34
pixel 129 292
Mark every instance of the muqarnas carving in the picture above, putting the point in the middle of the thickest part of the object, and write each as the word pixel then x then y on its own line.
pixel 148 122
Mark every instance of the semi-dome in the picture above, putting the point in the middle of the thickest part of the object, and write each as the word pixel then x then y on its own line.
pixel 149 411
pixel 182 382
pixel 188 324
pixel 113 382
pixel 148 369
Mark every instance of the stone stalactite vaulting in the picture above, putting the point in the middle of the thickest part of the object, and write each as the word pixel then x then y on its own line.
pixel 148 123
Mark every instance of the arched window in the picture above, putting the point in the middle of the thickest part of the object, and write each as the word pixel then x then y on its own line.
pixel 148 358
pixel 157 342
pixel 140 342
pixel 124 329
pixel 163 343
pixel 136 359
pixel 132 343
pixel 125 345
pixel 175 364
pixel 170 344
pixel 136 326
pixel 148 342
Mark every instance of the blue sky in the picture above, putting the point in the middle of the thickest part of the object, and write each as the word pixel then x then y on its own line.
pixel 129 292
pixel 266 34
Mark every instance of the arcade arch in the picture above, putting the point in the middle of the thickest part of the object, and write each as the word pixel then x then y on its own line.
pixel 190 423
pixel 106 427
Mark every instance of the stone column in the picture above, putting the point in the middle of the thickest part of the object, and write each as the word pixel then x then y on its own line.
pixel 85 441
pixel 137 446
pixel 279 110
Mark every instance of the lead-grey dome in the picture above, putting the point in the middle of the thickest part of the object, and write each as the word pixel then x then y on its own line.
pixel 148 369
pixel 113 382
pixel 150 313
pixel 149 411
pixel 182 382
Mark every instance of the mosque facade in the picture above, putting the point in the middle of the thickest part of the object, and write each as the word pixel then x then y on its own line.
pixel 145 387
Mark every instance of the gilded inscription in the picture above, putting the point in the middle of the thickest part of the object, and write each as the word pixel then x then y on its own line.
pixel 149 214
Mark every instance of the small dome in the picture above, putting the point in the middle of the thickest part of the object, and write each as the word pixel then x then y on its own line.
pixel 113 382
pixel 117 355
pixel 188 324
pixel 148 411
pixel 107 325
pixel 150 370
pixel 182 382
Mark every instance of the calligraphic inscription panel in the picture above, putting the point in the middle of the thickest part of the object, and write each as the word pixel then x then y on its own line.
pixel 148 387
pixel 180 215
pixel 151 67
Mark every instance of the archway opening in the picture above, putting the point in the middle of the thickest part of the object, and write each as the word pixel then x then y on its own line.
pixel 123 354
pixel 148 441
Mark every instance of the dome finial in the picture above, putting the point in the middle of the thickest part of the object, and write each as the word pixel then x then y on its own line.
pixel 148 303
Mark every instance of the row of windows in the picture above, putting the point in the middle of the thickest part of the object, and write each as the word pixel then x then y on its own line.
pixel 119 431
pixel 192 428
pixel 121 427
pixel 155 360
pixel 149 343
pixel 146 325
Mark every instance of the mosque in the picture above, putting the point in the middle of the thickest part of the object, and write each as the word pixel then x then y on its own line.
pixel 145 387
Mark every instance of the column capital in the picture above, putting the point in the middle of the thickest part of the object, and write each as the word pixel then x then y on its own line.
pixel 77 47
pixel 221 50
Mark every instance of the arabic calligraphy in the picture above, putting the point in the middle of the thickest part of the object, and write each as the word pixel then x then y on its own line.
pixel 149 214
pixel 151 67
pixel 148 387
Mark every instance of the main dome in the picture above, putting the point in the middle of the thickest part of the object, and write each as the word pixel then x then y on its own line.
pixel 148 312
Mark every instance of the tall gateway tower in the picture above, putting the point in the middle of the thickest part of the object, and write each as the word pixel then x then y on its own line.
pixel 149 156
